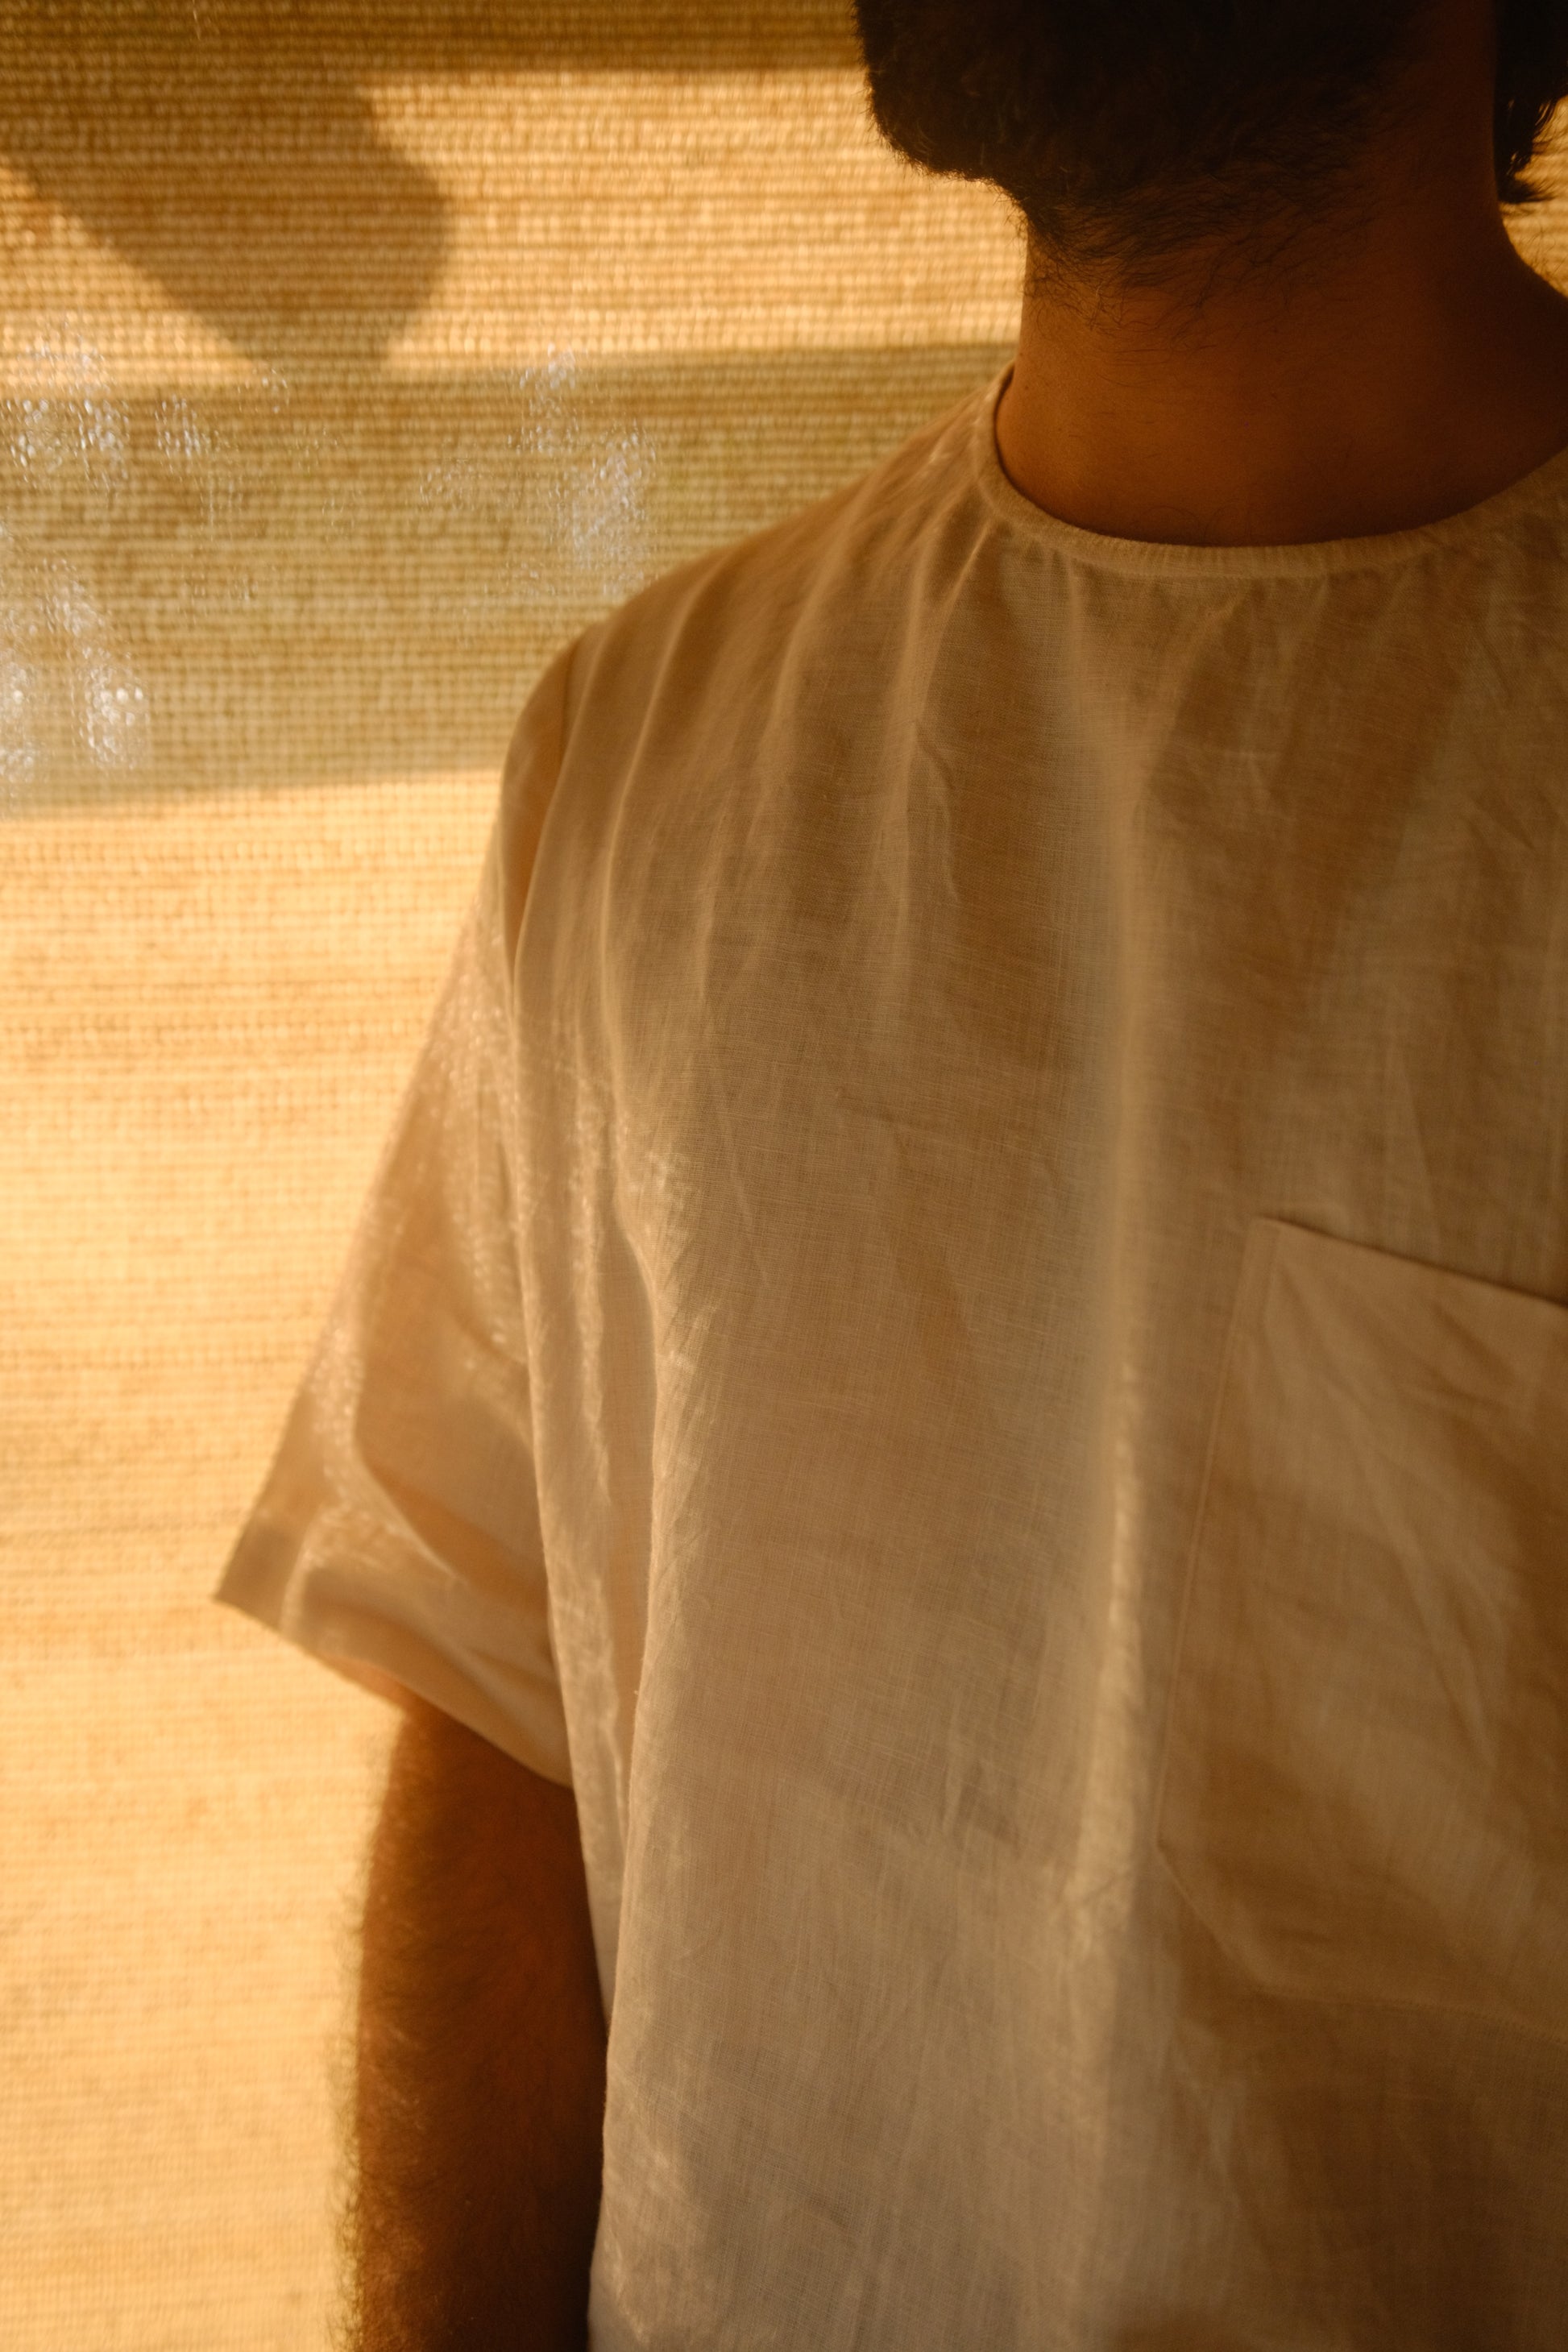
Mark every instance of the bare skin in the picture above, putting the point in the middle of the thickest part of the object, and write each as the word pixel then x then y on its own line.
pixel 1401 365
pixel 480 2087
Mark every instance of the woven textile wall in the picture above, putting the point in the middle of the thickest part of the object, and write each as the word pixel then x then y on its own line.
pixel 352 356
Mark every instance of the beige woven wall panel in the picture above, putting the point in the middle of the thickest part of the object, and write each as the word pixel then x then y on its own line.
pixel 212 1008
pixel 232 590
pixel 482 218
pixel 781 222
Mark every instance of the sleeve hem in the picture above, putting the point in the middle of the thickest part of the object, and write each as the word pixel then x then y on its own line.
pixel 340 1635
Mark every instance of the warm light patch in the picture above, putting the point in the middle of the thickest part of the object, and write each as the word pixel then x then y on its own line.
pixel 610 213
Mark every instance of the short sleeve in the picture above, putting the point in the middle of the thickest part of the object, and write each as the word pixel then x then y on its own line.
pixel 398 1527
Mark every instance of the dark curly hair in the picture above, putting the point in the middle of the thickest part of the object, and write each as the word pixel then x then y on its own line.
pixel 1128 132
pixel 1532 81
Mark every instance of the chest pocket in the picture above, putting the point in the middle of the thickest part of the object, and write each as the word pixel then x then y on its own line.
pixel 1365 1789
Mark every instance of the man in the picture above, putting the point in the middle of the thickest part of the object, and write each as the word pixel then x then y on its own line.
pixel 949 1410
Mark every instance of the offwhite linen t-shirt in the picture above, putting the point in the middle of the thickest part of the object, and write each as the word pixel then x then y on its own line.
pixel 964 1326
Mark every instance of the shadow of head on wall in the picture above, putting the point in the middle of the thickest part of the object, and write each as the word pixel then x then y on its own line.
pixel 228 150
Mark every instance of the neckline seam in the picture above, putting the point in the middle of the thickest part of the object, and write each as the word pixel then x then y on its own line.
pixel 1282 560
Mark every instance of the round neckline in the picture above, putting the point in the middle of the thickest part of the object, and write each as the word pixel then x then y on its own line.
pixel 1302 559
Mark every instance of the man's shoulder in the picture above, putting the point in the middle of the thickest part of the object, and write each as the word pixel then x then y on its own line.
pixel 828 572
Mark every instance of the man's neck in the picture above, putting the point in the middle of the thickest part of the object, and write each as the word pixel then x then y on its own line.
pixel 1400 373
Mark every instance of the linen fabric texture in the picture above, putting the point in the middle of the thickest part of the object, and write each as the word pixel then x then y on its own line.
pixel 962 1326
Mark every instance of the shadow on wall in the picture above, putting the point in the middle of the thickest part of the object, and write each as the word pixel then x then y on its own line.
pixel 302 478
pixel 210 142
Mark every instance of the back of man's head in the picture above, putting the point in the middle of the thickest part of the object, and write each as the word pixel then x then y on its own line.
pixel 1130 133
